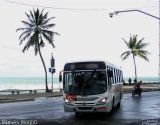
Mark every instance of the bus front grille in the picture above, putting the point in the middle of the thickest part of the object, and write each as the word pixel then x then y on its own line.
pixel 85 108
pixel 87 99
pixel 84 103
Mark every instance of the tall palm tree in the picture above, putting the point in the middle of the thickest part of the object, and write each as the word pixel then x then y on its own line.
pixel 136 48
pixel 35 31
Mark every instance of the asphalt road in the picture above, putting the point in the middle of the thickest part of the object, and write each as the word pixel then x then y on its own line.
pixel 49 111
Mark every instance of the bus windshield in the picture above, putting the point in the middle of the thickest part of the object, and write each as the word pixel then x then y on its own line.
pixel 85 82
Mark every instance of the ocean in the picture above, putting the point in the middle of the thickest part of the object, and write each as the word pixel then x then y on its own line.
pixel 28 83
pixel 39 83
pixel 144 79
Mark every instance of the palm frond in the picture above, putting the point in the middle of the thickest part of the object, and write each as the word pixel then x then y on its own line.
pixel 40 20
pixel 48 26
pixel 49 33
pixel 143 53
pixel 144 56
pixel 27 24
pixel 30 19
pixel 36 14
pixel 132 41
pixel 24 33
pixel 125 42
pixel 53 45
pixel 46 21
pixel 26 47
pixel 55 33
pixel 24 38
pixel 125 55
pixel 47 37
pixel 33 18
pixel 141 45
pixel 45 16
pixel 23 29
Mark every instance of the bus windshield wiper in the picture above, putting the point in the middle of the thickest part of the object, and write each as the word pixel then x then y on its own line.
pixel 91 76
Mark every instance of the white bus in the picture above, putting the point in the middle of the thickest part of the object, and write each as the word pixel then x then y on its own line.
pixel 91 86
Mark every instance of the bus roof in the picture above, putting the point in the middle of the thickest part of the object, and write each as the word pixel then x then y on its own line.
pixel 106 62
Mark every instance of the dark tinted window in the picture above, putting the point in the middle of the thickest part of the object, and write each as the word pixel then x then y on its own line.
pixel 84 66
pixel 85 82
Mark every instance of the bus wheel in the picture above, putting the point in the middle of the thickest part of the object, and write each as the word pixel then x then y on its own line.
pixel 77 114
pixel 119 103
pixel 112 109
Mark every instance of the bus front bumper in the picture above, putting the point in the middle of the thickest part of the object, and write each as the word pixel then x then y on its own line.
pixel 87 108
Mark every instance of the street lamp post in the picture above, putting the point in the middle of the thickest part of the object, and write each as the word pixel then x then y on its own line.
pixel 159 42
pixel 124 11
pixel 140 11
pixel 52 69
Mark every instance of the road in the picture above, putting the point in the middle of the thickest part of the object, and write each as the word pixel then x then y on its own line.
pixel 49 111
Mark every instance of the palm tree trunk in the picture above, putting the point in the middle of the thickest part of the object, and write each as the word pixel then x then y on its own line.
pixel 44 66
pixel 135 68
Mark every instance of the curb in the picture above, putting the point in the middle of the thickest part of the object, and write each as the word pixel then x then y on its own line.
pixel 16 100
pixel 147 90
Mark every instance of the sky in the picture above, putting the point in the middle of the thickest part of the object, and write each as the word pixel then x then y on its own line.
pixel 86 33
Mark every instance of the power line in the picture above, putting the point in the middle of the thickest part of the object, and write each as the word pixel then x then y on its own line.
pixel 9 48
pixel 5 47
pixel 70 9
pixel 22 60
pixel 50 7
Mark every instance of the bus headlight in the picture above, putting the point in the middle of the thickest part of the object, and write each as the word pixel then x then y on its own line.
pixel 67 101
pixel 102 101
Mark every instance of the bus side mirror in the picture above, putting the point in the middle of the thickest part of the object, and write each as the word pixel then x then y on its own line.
pixel 60 77
pixel 110 73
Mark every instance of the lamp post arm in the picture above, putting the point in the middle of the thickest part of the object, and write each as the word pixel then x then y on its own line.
pixel 123 11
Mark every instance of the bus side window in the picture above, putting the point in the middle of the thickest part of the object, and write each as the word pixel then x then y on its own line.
pixel 121 76
pixel 114 76
pixel 118 76
pixel 110 73
pixel 110 76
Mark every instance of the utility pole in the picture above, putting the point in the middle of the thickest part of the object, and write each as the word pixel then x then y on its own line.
pixel 159 44
pixel 52 69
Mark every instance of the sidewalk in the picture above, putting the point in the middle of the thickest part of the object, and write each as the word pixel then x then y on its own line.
pixel 26 97
pixel 144 87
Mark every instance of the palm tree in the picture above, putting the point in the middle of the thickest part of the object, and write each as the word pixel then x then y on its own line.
pixel 35 31
pixel 136 48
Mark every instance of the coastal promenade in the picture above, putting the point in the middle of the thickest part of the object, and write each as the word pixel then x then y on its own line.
pixel 19 96
pixel 27 96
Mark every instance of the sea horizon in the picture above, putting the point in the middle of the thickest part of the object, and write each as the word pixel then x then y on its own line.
pixel 32 83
